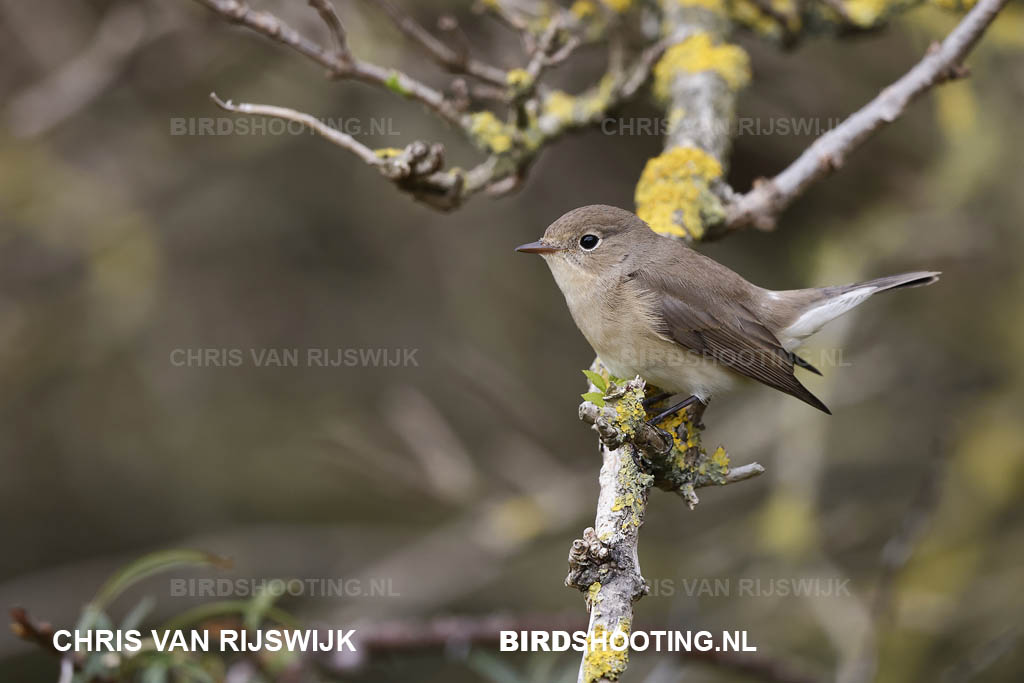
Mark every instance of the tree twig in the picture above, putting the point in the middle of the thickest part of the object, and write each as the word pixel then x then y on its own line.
pixel 325 8
pixel 762 205
pixel 452 60
pixel 335 136
pixel 339 65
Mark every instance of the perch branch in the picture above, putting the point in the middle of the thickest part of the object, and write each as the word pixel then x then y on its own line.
pixel 762 205
pixel 604 563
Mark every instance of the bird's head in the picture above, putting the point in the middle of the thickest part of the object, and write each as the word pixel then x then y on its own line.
pixel 591 242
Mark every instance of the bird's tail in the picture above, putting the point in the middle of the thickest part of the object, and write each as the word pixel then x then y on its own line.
pixel 813 308
pixel 917 279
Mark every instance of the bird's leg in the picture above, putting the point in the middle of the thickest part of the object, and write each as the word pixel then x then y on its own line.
pixel 655 399
pixel 676 408
pixel 698 413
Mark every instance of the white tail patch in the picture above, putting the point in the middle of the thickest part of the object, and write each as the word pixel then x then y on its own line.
pixel 814 318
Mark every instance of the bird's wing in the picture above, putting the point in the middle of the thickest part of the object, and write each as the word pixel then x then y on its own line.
pixel 729 334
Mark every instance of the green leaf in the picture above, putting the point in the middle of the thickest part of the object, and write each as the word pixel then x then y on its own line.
pixel 394 84
pixel 597 380
pixel 147 565
pixel 595 397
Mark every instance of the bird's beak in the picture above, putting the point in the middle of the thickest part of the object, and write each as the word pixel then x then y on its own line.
pixel 537 248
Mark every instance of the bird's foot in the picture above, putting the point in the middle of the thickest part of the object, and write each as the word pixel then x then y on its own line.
pixel 655 399
pixel 690 400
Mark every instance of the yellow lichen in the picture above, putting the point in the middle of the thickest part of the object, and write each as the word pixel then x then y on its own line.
pixel 597 101
pixel 676 185
pixel 633 485
pixel 630 413
pixel 519 78
pixel 560 105
pixel 697 54
pixel 714 5
pixel 751 14
pixel 601 661
pixel 490 132
pixel 719 465
pixel 592 592
pixel 675 116
pixel 623 501
pixel 671 425
pixel 582 9
pixel 747 12
pixel 619 6
pixel 387 152
pixel 866 12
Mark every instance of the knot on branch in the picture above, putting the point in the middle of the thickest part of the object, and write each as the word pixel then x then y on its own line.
pixel 593 564
pixel 588 560
pixel 418 159
pixel 417 170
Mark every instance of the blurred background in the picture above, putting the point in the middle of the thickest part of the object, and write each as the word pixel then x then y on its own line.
pixel 150 279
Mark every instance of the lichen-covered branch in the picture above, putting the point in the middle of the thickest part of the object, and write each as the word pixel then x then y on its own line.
pixel 604 563
pixel 533 115
pixel 761 206
pixel 697 79
pixel 682 192
pixel 678 194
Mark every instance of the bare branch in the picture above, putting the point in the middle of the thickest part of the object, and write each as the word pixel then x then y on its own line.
pixel 416 169
pixel 743 472
pixel 335 136
pixel 452 60
pixel 325 8
pixel 641 70
pixel 508 16
pixel 338 65
pixel 761 206
pixel 123 30
pixel 540 57
pixel 275 29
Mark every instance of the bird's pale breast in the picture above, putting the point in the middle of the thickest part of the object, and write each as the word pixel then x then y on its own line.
pixel 620 322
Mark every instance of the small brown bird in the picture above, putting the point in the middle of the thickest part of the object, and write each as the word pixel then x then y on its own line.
pixel 653 307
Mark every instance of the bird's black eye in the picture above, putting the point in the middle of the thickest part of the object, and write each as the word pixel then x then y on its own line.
pixel 588 242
